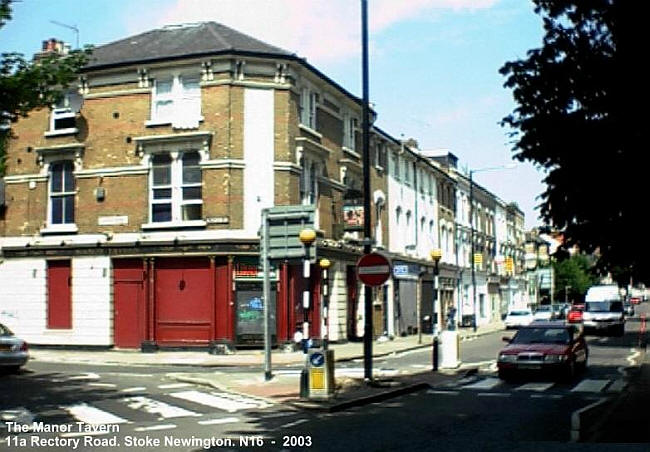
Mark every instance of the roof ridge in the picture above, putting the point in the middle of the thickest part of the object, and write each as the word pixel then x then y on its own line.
pixel 213 32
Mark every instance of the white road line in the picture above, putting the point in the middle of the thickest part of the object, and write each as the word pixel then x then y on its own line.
pixel 162 409
pixel 493 394
pixel 103 385
pixel 590 386
pixel 274 415
pixel 434 391
pixel 225 420
pixel 91 415
pixel 293 424
pixel 487 383
pixel 546 396
pixel 223 401
pixel 535 387
pixel 87 376
pixel 174 385
pixel 135 389
pixel 155 427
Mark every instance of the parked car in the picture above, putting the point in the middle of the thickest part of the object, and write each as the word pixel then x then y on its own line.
pixel 628 308
pixel 575 313
pixel 635 300
pixel 518 317
pixel 553 348
pixel 13 351
pixel 544 312
pixel 558 311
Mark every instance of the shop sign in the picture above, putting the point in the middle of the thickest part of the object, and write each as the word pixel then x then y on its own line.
pixel 249 267
pixel 352 217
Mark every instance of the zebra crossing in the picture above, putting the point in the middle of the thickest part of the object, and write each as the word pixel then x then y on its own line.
pixel 492 386
pixel 145 411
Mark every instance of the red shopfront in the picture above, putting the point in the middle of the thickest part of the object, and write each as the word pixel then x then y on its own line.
pixel 201 301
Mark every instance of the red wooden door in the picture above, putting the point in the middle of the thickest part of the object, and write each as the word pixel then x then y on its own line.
pixel 129 303
pixel 183 305
pixel 59 295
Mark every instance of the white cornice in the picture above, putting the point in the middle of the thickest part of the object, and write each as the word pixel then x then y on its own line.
pixel 111 172
pixel 223 164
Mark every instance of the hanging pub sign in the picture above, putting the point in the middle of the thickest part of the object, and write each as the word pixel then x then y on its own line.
pixel 352 217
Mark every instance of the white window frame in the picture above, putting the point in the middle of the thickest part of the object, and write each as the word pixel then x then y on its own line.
pixel 350 126
pixel 176 186
pixel 182 115
pixel 308 103
pixel 64 226
pixel 309 190
pixel 62 110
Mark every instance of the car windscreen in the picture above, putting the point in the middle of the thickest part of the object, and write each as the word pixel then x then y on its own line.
pixel 4 331
pixel 604 306
pixel 544 309
pixel 542 335
pixel 519 313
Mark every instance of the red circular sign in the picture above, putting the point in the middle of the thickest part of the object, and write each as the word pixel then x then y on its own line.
pixel 373 269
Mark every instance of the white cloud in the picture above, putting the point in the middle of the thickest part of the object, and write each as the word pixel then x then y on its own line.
pixel 321 30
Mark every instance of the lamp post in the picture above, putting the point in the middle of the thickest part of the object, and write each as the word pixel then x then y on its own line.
pixel 325 291
pixel 436 255
pixel 471 224
pixel 307 237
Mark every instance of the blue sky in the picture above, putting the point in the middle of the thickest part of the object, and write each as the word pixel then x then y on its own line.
pixel 433 63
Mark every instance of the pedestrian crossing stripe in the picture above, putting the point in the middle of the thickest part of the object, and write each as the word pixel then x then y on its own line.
pixel 587 385
pixel 93 416
pixel 535 387
pixel 590 386
pixel 487 383
pixel 223 401
pixel 164 410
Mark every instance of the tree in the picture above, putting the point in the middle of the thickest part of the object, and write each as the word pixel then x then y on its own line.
pixel 26 85
pixel 578 118
pixel 573 276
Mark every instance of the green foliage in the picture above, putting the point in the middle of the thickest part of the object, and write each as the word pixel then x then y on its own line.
pixel 574 274
pixel 579 117
pixel 26 85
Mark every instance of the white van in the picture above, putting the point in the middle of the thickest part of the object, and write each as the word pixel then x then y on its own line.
pixel 604 309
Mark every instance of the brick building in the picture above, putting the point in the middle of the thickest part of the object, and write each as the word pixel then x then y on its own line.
pixel 132 208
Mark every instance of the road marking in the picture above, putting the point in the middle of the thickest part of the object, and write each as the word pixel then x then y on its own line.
pixel 293 424
pixel 617 386
pixel 590 386
pixel 222 401
pixel 535 387
pixel 91 415
pixel 136 389
pixel 487 383
pixel 274 415
pixel 103 385
pixel 174 385
pixel 546 396
pixel 164 410
pixel 434 391
pixel 493 394
pixel 20 415
pixel 226 420
pixel 155 427
pixel 86 376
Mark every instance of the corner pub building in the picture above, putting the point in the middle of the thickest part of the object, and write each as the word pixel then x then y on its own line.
pixel 131 210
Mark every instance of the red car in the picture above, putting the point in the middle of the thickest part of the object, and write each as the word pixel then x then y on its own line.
pixel 575 313
pixel 544 348
pixel 635 300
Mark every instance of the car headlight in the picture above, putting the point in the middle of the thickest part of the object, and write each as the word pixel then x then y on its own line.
pixel 555 358
pixel 507 358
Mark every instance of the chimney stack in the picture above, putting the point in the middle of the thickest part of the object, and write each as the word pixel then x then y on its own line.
pixel 52 46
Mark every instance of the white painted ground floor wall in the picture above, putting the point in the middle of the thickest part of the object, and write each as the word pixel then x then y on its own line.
pixel 23 301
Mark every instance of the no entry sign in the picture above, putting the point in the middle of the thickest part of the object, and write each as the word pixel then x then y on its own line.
pixel 373 269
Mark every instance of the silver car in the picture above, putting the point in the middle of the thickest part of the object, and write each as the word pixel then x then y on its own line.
pixel 13 351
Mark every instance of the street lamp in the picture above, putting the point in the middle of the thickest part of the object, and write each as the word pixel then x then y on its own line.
pixel 307 237
pixel 325 265
pixel 471 223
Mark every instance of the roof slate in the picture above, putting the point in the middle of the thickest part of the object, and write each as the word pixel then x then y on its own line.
pixel 179 41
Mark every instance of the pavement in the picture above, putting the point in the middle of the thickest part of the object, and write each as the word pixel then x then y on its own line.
pixel 623 419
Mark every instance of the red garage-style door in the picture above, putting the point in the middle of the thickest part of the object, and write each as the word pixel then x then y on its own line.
pixel 183 309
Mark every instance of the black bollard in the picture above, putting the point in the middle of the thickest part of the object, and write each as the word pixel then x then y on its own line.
pixel 435 353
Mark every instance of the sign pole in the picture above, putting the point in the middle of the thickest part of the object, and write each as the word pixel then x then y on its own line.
pixel 266 294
